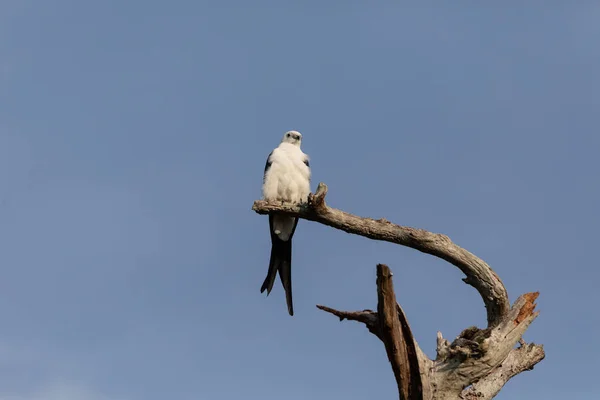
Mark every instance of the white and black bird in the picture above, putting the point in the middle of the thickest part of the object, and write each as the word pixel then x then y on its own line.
pixel 287 179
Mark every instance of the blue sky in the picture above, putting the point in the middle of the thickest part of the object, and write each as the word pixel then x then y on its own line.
pixel 133 136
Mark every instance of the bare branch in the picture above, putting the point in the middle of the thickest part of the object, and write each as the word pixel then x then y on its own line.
pixel 390 325
pixel 367 317
pixel 474 366
pixel 478 273
pixel 478 362
pixel 404 365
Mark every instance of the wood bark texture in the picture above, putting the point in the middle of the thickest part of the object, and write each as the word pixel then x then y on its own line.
pixel 478 363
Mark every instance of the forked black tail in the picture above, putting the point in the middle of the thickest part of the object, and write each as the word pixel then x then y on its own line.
pixel 281 260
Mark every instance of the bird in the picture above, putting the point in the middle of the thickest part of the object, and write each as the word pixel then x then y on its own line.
pixel 287 179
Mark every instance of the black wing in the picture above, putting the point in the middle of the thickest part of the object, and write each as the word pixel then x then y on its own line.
pixel 267 166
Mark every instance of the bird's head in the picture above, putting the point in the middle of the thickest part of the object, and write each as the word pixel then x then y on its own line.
pixel 292 137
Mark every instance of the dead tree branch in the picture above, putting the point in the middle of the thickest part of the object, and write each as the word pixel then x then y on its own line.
pixel 397 337
pixel 478 363
pixel 478 273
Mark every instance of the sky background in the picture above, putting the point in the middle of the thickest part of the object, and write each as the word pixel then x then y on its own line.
pixel 133 137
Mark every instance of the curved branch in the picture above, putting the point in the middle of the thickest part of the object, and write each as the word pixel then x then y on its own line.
pixel 478 273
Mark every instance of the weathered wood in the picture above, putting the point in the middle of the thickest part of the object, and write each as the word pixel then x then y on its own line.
pixel 478 363
pixel 397 338
pixel 478 273
pixel 390 325
pixel 518 360
pixel 367 317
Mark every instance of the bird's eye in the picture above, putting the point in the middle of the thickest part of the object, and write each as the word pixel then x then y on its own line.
pixel 289 134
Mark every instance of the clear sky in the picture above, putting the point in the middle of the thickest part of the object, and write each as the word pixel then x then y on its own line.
pixel 133 137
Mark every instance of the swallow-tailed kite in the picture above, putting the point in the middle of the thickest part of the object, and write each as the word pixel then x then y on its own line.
pixel 287 179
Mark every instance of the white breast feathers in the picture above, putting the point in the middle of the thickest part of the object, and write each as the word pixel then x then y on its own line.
pixel 288 178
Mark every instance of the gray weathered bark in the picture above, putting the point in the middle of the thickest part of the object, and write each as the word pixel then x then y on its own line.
pixel 478 363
